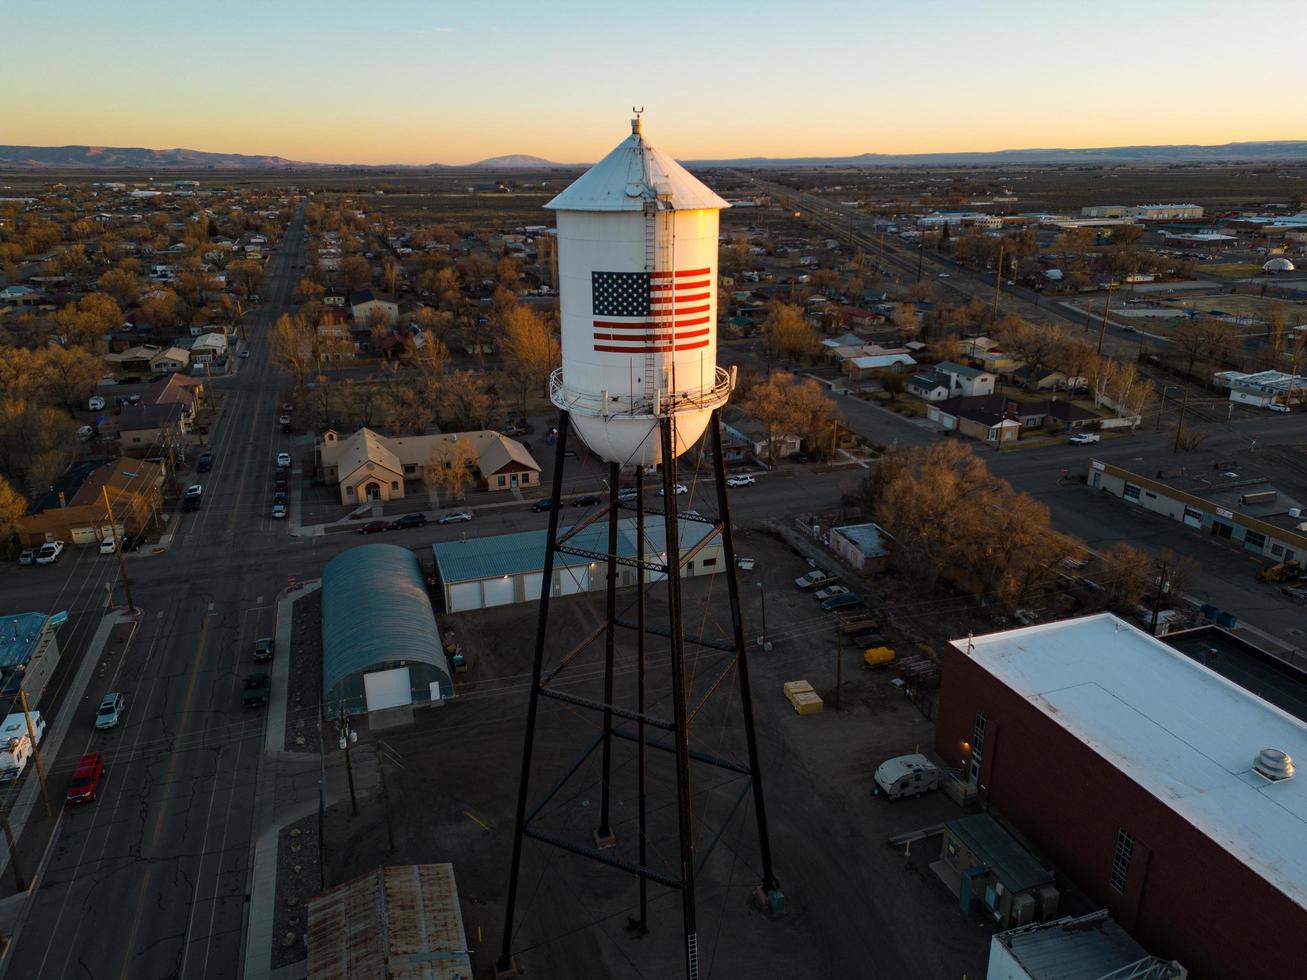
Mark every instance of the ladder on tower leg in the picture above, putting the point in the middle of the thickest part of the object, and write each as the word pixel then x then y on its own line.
pixel 649 372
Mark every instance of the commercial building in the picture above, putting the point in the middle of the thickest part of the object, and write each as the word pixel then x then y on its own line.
pixel 862 546
pixel 505 568
pixel 399 922
pixel 370 466
pixel 1163 791
pixel 380 645
pixel 135 489
pixel 1263 388
pixel 1084 947
pixel 1164 212
pixel 29 653
pixel 1240 507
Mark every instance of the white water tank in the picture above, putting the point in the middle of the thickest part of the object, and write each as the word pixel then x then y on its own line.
pixel 637 271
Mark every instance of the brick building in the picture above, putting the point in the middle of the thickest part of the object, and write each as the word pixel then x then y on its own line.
pixel 1142 776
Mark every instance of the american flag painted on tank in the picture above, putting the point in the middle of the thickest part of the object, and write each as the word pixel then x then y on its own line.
pixel 650 312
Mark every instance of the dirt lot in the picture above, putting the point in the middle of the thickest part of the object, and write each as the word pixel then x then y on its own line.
pixel 855 906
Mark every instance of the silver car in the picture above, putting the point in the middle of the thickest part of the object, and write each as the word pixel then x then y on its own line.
pixel 110 712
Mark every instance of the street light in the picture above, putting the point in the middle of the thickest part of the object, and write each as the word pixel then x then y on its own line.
pixel 762 640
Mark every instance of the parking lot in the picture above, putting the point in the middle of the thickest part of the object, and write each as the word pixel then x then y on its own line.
pixel 850 898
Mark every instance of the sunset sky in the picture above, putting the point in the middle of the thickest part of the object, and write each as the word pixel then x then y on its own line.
pixel 394 81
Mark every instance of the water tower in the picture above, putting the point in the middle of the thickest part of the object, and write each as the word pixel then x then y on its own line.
pixel 640 385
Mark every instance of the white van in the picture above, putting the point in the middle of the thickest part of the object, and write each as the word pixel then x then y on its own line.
pixel 905 775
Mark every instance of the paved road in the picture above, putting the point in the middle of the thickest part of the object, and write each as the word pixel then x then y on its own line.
pixel 150 880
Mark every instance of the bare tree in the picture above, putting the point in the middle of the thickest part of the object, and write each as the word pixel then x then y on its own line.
pixel 451 467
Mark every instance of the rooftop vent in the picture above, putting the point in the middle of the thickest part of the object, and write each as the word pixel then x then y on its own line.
pixel 1273 764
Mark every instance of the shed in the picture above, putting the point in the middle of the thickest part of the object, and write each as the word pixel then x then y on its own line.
pixel 992 870
pixel 505 568
pixel 401 922
pixel 861 545
pixel 380 644
pixel 1085 947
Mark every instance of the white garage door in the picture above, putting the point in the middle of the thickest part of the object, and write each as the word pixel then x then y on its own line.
pixel 497 591
pixel 531 585
pixel 464 596
pixel 387 688
pixel 573 580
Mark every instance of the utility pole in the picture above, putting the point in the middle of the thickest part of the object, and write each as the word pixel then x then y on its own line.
pixel 118 550
pixel 1102 331
pixel 347 737
pixel 36 754
pixel 762 595
pixel 19 883
pixel 1162 408
pixel 921 251
pixel 998 279
pixel 839 664
pixel 1157 599
pixel 1179 425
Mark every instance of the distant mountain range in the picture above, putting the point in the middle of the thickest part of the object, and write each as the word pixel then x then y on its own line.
pixel 140 158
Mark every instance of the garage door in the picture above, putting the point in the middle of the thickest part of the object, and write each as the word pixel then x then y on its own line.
pixel 464 596
pixel 531 585
pixel 573 580
pixel 387 688
pixel 497 591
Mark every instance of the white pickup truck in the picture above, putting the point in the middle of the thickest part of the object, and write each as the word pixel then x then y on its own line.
pixel 814 578
pixel 16 745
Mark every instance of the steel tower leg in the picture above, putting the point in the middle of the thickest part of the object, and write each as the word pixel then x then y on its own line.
pixel 603 836
pixel 641 924
pixel 504 966
pixel 769 883
pixel 679 697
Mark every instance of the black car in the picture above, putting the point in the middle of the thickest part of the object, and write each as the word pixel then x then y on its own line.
pixel 589 500
pixel 409 520
pixel 255 690
pixel 133 541
pixel 204 463
pixel 542 505
pixel 279 497
pixel 800 457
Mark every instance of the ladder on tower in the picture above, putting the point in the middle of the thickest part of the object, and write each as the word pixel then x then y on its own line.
pixel 649 373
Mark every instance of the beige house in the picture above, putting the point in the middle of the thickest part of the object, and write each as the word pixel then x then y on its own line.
pixel 370 466
pixel 170 359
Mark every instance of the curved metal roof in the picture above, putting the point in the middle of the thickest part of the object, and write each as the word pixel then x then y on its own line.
pixel 375 611
pixel 632 174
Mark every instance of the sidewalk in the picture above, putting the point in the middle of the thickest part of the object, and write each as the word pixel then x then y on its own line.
pixel 269 816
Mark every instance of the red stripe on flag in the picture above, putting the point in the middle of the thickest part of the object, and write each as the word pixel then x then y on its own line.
pixel 687 334
pixel 693 272
pixel 691 285
pixel 649 350
pixel 691 309
pixel 692 323
pixel 691 299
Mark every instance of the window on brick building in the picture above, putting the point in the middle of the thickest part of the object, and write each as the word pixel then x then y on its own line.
pixel 1125 848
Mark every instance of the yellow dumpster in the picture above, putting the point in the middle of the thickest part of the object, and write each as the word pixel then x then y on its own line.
pixel 878 656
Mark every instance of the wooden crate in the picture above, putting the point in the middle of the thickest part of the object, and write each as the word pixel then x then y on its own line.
pixel 792 688
pixel 808 703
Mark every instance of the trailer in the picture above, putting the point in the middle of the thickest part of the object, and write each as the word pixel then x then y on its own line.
pixel 16 746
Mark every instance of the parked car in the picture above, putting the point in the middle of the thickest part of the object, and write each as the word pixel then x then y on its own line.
pixel 254 690
pixel 588 500
pixel 263 648
pixel 800 457
pixel 680 489
pixel 742 480
pixel 279 510
pixel 1083 438
pixel 457 517
pixel 814 578
pixel 1277 407
pixel 86 779
pixel 204 463
pixel 28 557
pixel 279 496
pixel 284 420
pixel 192 497
pixel 283 459
pixel 843 601
pixel 831 591
pixel 244 354
pixel 49 553
pixel 372 527
pixel 110 712
pixel 627 493
pixel 545 503
pixel 108 546
pixel 95 404
pixel 133 541
pixel 1295 593
pixel 409 520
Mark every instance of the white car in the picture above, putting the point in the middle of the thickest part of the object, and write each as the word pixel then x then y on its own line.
pixel 680 489
pixel 1083 438
pixel 1277 407
pixel 244 354
pixel 95 404
pixel 830 592
pixel 458 517
pixel 743 480
pixel 108 546
pixel 279 511
pixel 283 459
pixel 50 553
pixel 284 420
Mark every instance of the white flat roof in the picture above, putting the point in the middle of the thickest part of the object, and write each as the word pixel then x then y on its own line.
pixel 1182 732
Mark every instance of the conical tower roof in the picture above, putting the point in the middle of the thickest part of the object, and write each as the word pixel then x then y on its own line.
pixel 633 173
